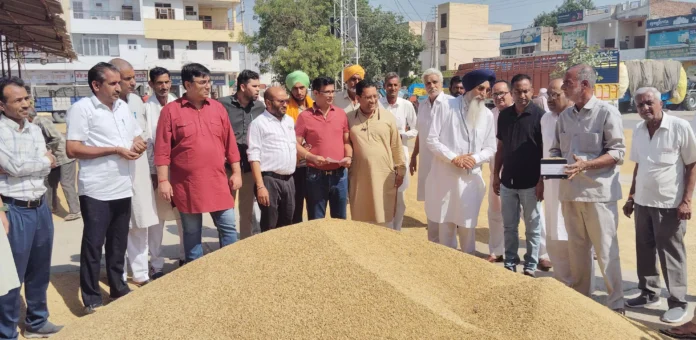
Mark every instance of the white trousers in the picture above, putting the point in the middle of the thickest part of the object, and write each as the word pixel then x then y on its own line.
pixel 154 240
pixel 433 231
pixel 136 254
pixel 496 241
pixel 400 211
pixel 467 237
pixel 543 252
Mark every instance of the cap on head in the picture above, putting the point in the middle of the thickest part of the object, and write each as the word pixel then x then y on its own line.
pixel 477 77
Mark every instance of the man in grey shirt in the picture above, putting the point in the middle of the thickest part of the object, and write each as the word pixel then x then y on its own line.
pixel 590 136
pixel 243 107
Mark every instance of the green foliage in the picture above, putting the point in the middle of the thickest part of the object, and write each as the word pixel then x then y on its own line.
pixel 549 19
pixel 580 54
pixel 317 54
pixel 414 79
pixel 386 44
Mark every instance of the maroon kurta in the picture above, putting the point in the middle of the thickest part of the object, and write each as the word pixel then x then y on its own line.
pixel 195 144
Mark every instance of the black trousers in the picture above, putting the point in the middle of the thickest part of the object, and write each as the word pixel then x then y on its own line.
pixel 105 221
pixel 300 178
pixel 281 193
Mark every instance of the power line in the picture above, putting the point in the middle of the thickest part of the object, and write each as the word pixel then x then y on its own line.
pixel 414 8
pixel 403 12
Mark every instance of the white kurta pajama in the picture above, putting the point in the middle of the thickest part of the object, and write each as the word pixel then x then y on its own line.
pixel 405 115
pixel 426 110
pixel 143 206
pixel 556 235
pixel 453 195
pixel 165 211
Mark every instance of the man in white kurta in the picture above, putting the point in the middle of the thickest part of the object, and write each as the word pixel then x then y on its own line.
pixel 556 235
pixel 405 116
pixel 143 207
pixel 160 82
pixel 432 78
pixel 461 138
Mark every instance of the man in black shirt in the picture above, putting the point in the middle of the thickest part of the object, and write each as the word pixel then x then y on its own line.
pixel 520 149
pixel 243 107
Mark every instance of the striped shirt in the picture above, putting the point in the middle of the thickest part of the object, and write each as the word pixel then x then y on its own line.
pixel 23 160
pixel 272 143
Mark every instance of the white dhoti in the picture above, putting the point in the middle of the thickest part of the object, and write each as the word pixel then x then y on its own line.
pixel 556 234
pixel 496 241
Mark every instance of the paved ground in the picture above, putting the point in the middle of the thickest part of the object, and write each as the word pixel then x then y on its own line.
pixel 64 290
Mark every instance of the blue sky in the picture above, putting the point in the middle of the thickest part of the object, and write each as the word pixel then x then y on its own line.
pixel 517 13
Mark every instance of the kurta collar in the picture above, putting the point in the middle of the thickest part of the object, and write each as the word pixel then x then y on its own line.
pixel 12 124
pixel 96 102
pixel 270 116
pixel 185 101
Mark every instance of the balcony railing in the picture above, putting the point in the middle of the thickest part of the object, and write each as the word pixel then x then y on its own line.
pixel 108 15
pixel 210 25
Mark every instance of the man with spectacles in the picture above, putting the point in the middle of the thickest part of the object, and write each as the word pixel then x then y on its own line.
pixel 322 139
pixel 348 100
pixel 520 149
pixel 242 108
pixel 405 116
pixel 273 156
pixel 194 139
pixel 496 246
pixel 379 165
pixel 462 138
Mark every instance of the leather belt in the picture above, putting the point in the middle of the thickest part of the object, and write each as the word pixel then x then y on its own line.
pixel 22 204
pixel 276 176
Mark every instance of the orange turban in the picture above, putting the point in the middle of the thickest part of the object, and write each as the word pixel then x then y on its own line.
pixel 350 71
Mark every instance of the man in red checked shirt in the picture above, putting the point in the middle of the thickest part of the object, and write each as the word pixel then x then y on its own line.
pixel 194 140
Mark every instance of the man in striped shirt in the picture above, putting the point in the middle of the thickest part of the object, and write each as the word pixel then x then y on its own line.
pixel 24 163
pixel 273 154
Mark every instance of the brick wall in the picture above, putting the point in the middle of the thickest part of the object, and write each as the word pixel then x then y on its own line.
pixel 666 8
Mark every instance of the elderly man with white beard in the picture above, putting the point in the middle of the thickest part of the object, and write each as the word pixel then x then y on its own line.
pixel 432 78
pixel 462 138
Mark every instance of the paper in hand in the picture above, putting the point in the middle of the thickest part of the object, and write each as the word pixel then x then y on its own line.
pixel 553 168
pixel 331 160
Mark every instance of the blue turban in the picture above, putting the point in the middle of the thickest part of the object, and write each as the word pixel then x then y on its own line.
pixel 477 77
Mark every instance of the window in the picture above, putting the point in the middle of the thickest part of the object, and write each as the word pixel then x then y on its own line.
pixel 96 44
pixel 164 11
pixel 192 45
pixel 609 43
pixel 443 20
pixel 127 12
pixel 207 21
pixel 509 51
pixel 443 46
pixel 132 44
pixel 639 42
pixel 528 49
pixel 189 10
pixel 78 11
pixel 220 51
pixel 443 68
pixel 165 49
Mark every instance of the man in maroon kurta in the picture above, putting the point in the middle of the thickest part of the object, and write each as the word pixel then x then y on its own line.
pixel 194 140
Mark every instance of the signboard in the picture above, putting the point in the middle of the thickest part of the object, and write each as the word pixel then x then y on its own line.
pixel 50 77
pixel 672 53
pixel 608 68
pixel 571 36
pixel 671 45
pixel 598 11
pixel 680 38
pixel 215 79
pixel 141 76
pixel 81 76
pixel 683 20
pixel 575 16
pixel 520 37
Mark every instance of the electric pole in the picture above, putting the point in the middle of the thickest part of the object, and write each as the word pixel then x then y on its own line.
pixel 244 28
pixel 349 30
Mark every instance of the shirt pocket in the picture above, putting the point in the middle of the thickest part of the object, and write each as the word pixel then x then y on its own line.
pixel 665 158
pixel 184 129
pixel 216 127
pixel 565 139
pixel 588 143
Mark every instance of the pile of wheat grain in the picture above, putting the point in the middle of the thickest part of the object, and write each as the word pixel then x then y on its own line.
pixel 340 279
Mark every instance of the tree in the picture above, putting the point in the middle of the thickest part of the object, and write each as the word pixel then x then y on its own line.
pixel 580 54
pixel 319 58
pixel 549 19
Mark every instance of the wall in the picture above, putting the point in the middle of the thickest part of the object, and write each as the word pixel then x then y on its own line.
pixel 599 31
pixel 148 8
pixel 630 29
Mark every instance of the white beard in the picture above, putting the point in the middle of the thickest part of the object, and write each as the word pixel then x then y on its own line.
pixel 474 111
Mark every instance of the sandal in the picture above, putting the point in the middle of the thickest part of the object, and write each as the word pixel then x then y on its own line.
pixel 691 334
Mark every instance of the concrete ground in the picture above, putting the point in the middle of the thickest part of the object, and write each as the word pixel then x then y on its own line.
pixel 64 298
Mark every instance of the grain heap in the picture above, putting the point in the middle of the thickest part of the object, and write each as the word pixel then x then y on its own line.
pixel 339 279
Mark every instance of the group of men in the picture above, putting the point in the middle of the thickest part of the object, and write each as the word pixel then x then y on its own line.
pixel 292 151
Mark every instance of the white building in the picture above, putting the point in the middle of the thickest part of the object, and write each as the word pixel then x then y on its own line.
pixel 147 33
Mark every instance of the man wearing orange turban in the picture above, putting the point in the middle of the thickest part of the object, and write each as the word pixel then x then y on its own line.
pixel 347 100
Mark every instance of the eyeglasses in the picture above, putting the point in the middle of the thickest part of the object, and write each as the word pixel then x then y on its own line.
pixel 328 92
pixel 282 101
pixel 554 95
pixel 499 94
pixel 202 82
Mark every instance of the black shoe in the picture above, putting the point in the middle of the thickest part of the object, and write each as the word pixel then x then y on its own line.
pixel 644 300
pixel 182 263
pixel 157 275
pixel 512 269
pixel 530 273
pixel 44 332
pixel 91 309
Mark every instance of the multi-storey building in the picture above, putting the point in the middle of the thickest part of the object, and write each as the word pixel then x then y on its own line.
pixel 528 41
pixel 147 33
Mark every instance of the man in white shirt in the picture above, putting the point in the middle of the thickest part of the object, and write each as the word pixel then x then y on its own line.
pixel 273 155
pixel 161 83
pixel 405 116
pixel 104 136
pixel 664 149
pixel 496 246
pixel 24 163
pixel 143 206
pixel 554 224
pixel 462 138
pixel 432 78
